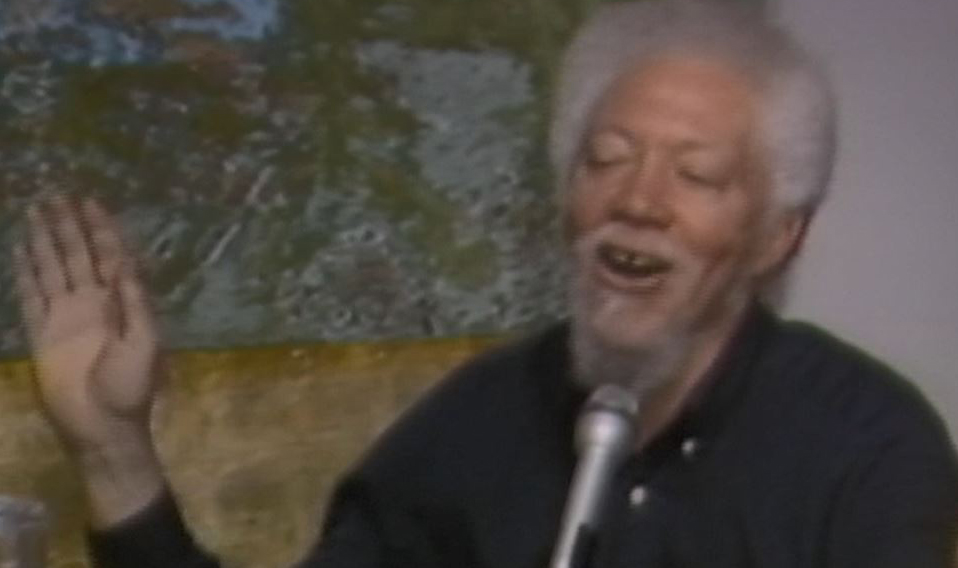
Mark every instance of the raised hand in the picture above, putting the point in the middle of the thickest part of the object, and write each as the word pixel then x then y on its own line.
pixel 93 339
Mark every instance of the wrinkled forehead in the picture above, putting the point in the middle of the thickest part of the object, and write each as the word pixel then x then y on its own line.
pixel 698 100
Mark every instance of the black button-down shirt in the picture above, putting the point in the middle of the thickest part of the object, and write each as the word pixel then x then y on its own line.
pixel 798 451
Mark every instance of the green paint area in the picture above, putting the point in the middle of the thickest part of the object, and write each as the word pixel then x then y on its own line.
pixel 298 170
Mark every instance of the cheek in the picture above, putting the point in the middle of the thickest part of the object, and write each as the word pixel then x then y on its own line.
pixel 720 237
pixel 582 209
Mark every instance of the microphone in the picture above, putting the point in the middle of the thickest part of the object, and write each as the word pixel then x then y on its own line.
pixel 604 434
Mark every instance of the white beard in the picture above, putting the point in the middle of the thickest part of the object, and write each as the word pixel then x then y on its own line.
pixel 636 367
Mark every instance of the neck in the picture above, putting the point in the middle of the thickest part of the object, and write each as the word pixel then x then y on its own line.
pixel 662 406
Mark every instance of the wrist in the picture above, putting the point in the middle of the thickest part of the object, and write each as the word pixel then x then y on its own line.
pixel 120 479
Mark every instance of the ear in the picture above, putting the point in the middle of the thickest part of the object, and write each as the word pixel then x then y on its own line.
pixel 784 235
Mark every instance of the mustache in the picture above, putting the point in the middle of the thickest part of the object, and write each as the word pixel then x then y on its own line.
pixel 586 246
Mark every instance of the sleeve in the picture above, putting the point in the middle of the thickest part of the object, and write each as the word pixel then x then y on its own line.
pixel 154 538
pixel 899 506
pixel 365 530
pixel 359 531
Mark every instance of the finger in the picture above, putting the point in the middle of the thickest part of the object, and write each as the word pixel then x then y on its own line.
pixel 70 234
pixel 110 256
pixel 32 302
pixel 137 313
pixel 43 253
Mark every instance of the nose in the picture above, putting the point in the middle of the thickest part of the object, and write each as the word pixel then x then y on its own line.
pixel 644 196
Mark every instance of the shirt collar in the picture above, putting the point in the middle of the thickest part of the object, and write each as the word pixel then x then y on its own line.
pixel 709 406
pixel 722 389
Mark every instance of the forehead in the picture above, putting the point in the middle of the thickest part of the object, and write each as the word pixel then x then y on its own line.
pixel 686 99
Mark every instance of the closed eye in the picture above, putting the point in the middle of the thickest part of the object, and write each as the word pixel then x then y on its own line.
pixel 607 149
pixel 598 161
pixel 701 179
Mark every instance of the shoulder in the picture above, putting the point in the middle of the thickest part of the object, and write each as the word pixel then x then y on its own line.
pixel 514 373
pixel 839 392
pixel 491 405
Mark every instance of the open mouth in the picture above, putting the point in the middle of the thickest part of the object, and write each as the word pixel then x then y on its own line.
pixel 633 267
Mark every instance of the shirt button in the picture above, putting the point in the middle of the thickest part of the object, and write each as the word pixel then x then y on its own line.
pixel 689 448
pixel 638 496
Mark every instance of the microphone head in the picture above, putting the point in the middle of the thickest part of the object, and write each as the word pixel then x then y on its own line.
pixel 608 419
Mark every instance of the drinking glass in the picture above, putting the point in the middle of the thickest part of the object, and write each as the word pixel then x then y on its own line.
pixel 23 532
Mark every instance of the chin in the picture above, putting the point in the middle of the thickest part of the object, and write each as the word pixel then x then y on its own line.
pixel 623 339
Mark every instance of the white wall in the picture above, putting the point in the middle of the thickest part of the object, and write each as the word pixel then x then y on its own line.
pixel 881 265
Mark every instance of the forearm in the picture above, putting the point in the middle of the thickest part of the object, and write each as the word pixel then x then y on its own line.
pixel 134 517
pixel 120 480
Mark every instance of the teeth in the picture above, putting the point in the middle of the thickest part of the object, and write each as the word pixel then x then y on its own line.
pixel 630 263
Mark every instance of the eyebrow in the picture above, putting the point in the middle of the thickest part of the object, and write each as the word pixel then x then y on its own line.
pixel 612 129
pixel 684 146
pixel 700 145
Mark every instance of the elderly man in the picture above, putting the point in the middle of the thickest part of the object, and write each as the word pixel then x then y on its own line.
pixel 691 142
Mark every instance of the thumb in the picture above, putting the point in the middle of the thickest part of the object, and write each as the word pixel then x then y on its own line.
pixel 136 312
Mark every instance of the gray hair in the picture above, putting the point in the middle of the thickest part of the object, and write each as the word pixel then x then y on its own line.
pixel 797 114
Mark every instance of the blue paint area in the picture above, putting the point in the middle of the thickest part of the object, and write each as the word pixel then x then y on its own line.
pixel 296 171
pixel 250 19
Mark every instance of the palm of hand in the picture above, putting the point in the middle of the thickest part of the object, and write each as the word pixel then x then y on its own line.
pixel 84 365
pixel 95 346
